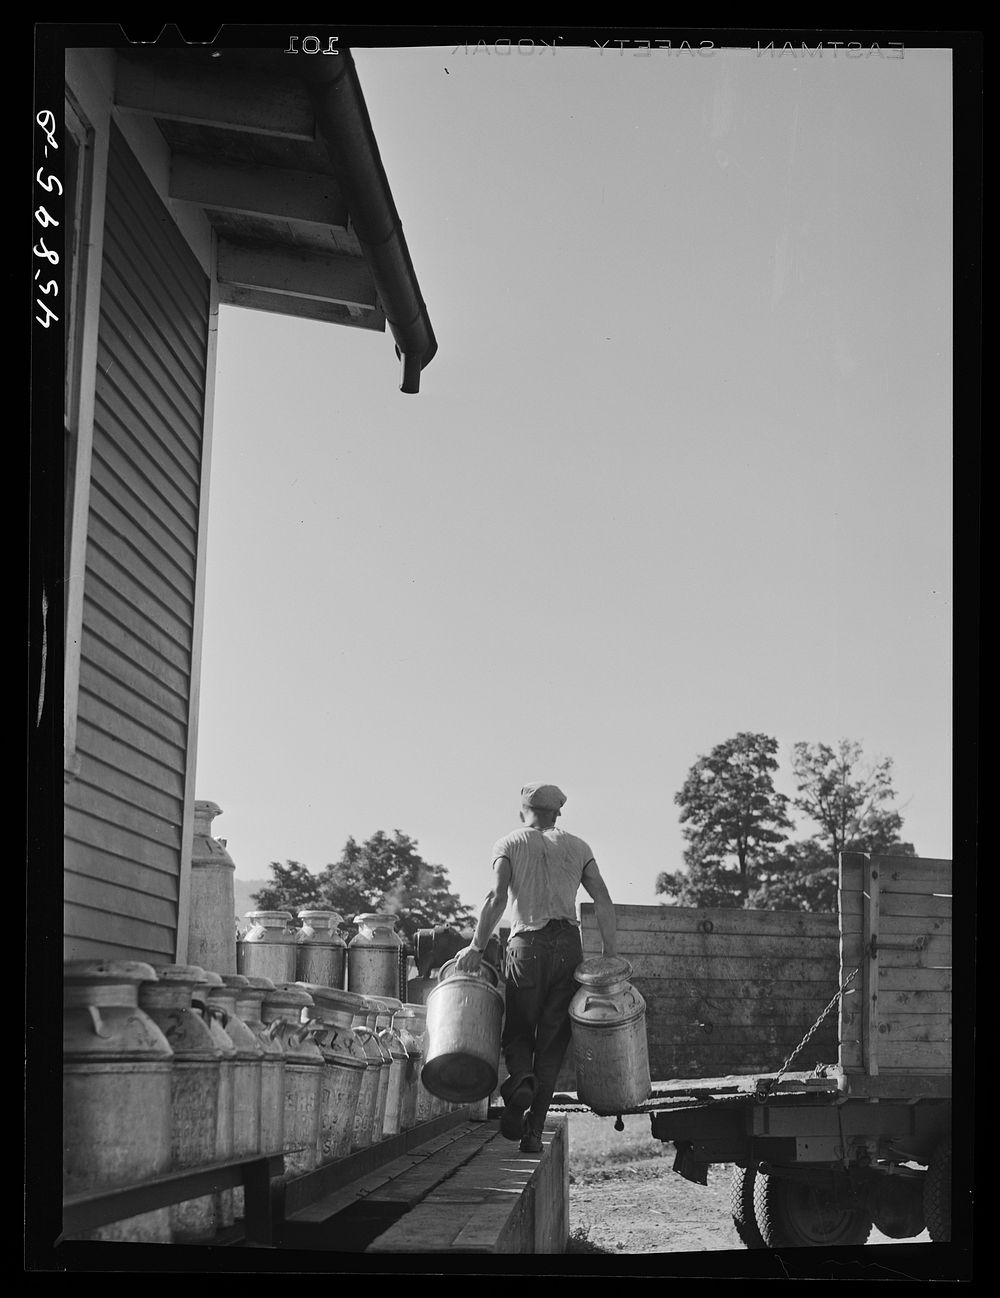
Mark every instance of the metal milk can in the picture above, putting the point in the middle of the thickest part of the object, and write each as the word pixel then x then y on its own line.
pixel 608 1018
pixel 374 1089
pixel 194 1090
pixel 250 992
pixel 464 1021
pixel 390 1038
pixel 374 955
pixel 225 1129
pixel 116 1090
pixel 344 1069
pixel 268 948
pixel 410 1022
pixel 303 1075
pixel 374 1010
pixel 212 905
pixel 321 953
pixel 246 1075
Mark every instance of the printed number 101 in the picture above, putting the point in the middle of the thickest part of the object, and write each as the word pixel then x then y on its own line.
pixel 311 45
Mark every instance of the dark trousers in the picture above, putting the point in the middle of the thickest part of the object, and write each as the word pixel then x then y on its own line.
pixel 536 1031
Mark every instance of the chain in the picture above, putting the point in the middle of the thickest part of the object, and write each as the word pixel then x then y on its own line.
pixel 808 1036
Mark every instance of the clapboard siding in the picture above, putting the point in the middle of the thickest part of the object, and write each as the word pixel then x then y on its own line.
pixel 125 809
pixel 900 1020
pixel 726 991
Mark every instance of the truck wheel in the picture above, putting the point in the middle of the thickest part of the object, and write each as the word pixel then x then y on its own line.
pixel 793 1213
pixel 897 1206
pixel 741 1207
pixel 937 1194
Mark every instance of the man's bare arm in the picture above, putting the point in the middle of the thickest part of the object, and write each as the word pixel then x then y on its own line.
pixel 468 960
pixel 603 907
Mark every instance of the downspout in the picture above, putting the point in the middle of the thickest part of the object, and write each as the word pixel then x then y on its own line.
pixel 343 121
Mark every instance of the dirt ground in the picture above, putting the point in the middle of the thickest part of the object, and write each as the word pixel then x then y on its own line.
pixel 625 1198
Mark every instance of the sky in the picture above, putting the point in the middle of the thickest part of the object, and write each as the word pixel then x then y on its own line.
pixel 680 468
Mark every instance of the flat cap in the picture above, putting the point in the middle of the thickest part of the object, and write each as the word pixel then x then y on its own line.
pixel 544 796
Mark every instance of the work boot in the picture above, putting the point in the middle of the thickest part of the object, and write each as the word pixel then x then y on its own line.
pixel 512 1115
pixel 531 1141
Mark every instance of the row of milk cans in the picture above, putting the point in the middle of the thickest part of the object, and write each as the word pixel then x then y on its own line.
pixel 372 963
pixel 177 1067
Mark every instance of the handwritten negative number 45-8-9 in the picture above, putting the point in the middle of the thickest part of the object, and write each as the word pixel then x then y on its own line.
pixel 49 183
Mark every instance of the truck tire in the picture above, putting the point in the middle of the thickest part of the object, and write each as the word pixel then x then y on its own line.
pixel 795 1213
pixel 937 1194
pixel 742 1209
pixel 897 1206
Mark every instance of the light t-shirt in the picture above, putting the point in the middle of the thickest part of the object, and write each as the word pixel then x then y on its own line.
pixel 546 868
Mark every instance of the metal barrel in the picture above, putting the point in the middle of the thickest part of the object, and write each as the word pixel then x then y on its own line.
pixel 247 1075
pixel 373 956
pixel 464 1022
pixel 225 1127
pixel 391 1039
pixel 344 1068
pixel 194 1091
pixel 268 948
pixel 303 1075
pixel 320 951
pixel 249 1001
pixel 117 1068
pixel 608 1021
pixel 410 1022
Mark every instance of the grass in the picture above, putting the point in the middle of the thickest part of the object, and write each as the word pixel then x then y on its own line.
pixel 594 1143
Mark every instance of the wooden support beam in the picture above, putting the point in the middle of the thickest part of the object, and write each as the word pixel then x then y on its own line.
pixel 257 299
pixel 272 192
pixel 870 968
pixel 319 277
pixel 216 96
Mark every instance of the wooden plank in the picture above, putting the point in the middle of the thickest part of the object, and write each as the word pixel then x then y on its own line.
pixel 135 202
pixel 923 1056
pixel 135 267
pixel 781 1036
pixel 92 863
pixel 635 942
pixel 331 277
pixel 114 900
pixel 900 1085
pixel 250 101
pixel 273 192
pixel 902 905
pixel 338 313
pixel 693 968
pixel 869 970
pixel 121 653
pixel 101 688
pixel 678 919
pixel 118 815
pixel 119 741
pixel 921 952
pixel 96 835
pixel 922 871
pixel 142 592
pixel 693 1062
pixel 144 399
pixel 901 1027
pixel 119 930
pixel 911 923
pixel 156 798
pixel 123 512
pixel 733 1010
pixel 130 453
pixel 169 386
pixel 913 980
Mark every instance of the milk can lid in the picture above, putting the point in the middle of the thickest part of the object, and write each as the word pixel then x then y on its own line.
pixel 191 974
pixel 107 971
pixel 599 970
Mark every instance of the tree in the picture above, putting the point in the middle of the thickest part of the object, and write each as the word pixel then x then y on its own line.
pixel 732 819
pixel 849 801
pixel 382 874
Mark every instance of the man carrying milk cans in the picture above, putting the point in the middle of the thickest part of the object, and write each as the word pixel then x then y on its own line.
pixel 539 869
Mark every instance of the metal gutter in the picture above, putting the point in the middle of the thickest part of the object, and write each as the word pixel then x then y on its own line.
pixel 343 121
